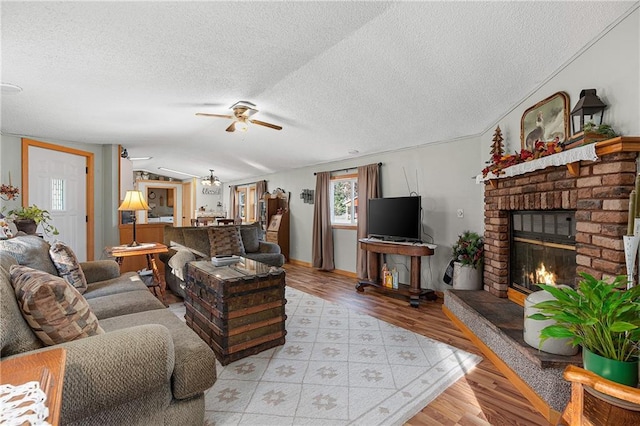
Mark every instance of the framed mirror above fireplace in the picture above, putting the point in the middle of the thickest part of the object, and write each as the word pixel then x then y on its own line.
pixel 542 249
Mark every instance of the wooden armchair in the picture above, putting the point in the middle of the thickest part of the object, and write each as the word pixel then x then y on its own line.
pixel 598 401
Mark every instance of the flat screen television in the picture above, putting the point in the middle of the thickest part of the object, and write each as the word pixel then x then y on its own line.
pixel 395 219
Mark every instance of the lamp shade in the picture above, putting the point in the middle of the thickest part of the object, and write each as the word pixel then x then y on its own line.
pixel 133 201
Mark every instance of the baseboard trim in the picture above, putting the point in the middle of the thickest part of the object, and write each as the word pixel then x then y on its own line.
pixel 348 274
pixel 299 263
pixel 538 403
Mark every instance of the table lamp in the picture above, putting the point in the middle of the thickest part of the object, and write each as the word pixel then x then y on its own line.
pixel 133 201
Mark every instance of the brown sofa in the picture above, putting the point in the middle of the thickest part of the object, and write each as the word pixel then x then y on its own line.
pixel 188 243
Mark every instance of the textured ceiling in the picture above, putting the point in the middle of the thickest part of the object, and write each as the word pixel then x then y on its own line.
pixel 338 76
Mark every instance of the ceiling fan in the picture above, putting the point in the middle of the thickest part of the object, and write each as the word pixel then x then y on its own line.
pixel 242 112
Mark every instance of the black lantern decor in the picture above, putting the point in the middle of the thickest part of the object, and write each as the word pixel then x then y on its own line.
pixel 589 106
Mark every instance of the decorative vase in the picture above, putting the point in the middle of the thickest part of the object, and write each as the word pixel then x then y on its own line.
pixel 624 372
pixel 28 226
pixel 532 328
pixel 466 277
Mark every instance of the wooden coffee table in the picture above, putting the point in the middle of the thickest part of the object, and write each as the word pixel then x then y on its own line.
pixel 238 309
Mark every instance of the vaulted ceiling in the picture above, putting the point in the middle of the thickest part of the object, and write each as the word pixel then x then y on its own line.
pixel 343 79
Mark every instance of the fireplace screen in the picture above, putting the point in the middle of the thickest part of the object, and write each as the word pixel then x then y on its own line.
pixel 542 249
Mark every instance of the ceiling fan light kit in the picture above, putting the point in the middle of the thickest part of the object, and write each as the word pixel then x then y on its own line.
pixel 241 126
pixel 242 111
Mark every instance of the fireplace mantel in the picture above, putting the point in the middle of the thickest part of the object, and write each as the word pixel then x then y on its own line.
pixel 570 158
pixel 598 192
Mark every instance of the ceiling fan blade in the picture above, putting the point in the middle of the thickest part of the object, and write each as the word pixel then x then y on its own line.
pixel 232 127
pixel 262 123
pixel 215 115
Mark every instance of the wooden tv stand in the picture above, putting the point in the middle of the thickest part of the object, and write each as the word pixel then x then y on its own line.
pixel 416 251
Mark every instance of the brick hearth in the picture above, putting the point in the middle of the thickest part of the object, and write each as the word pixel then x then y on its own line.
pixel 600 196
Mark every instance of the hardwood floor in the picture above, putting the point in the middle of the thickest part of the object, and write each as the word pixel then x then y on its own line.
pixel 482 397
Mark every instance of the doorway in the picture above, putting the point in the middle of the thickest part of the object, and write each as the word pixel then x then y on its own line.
pixel 60 179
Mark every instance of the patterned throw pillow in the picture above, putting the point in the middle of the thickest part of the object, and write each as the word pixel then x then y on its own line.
pixel 55 310
pixel 225 240
pixel 68 266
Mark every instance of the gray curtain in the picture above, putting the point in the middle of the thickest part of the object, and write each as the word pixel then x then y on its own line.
pixel 233 207
pixel 322 250
pixel 368 187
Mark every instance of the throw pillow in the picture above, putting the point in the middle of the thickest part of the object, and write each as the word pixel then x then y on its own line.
pixel 197 240
pixel 250 239
pixel 55 310
pixel 68 266
pixel 178 262
pixel 31 251
pixel 225 240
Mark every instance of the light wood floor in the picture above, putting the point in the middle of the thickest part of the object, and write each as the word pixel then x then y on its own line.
pixel 482 397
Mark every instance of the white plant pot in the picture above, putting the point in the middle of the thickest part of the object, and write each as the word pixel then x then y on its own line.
pixel 466 277
pixel 532 328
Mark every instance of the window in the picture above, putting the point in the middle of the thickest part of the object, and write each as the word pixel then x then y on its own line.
pixel 247 203
pixel 57 194
pixel 344 200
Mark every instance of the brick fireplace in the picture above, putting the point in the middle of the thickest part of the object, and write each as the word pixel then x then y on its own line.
pixel 598 191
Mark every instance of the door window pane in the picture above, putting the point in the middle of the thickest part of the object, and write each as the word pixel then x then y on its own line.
pixel 57 194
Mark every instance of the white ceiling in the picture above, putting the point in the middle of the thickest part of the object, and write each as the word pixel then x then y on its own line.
pixel 338 76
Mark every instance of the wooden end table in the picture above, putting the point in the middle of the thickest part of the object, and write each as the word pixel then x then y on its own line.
pixel 149 250
pixel 415 251
pixel 45 367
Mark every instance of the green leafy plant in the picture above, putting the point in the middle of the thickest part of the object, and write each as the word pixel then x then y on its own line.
pixel 469 249
pixel 39 216
pixel 597 315
pixel 603 129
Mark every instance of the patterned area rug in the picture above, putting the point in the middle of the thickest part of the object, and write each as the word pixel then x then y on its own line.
pixel 337 367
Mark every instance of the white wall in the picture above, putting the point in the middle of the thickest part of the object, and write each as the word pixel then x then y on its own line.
pixel 441 173
pixel 207 199
pixel 611 66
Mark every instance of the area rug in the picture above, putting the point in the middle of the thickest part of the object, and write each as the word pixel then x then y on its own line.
pixel 337 367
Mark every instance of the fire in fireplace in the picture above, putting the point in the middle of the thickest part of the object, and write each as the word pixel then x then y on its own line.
pixel 542 249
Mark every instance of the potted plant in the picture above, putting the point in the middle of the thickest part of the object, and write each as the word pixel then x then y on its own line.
pixel 27 220
pixel 601 317
pixel 468 255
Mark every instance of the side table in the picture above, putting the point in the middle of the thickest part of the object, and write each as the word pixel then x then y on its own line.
pixel 149 250
pixel 45 367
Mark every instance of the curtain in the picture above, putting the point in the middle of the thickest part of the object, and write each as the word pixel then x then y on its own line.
pixel 261 188
pixel 322 250
pixel 233 207
pixel 368 187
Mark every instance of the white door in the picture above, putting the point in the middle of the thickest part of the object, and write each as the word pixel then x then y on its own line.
pixel 57 183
